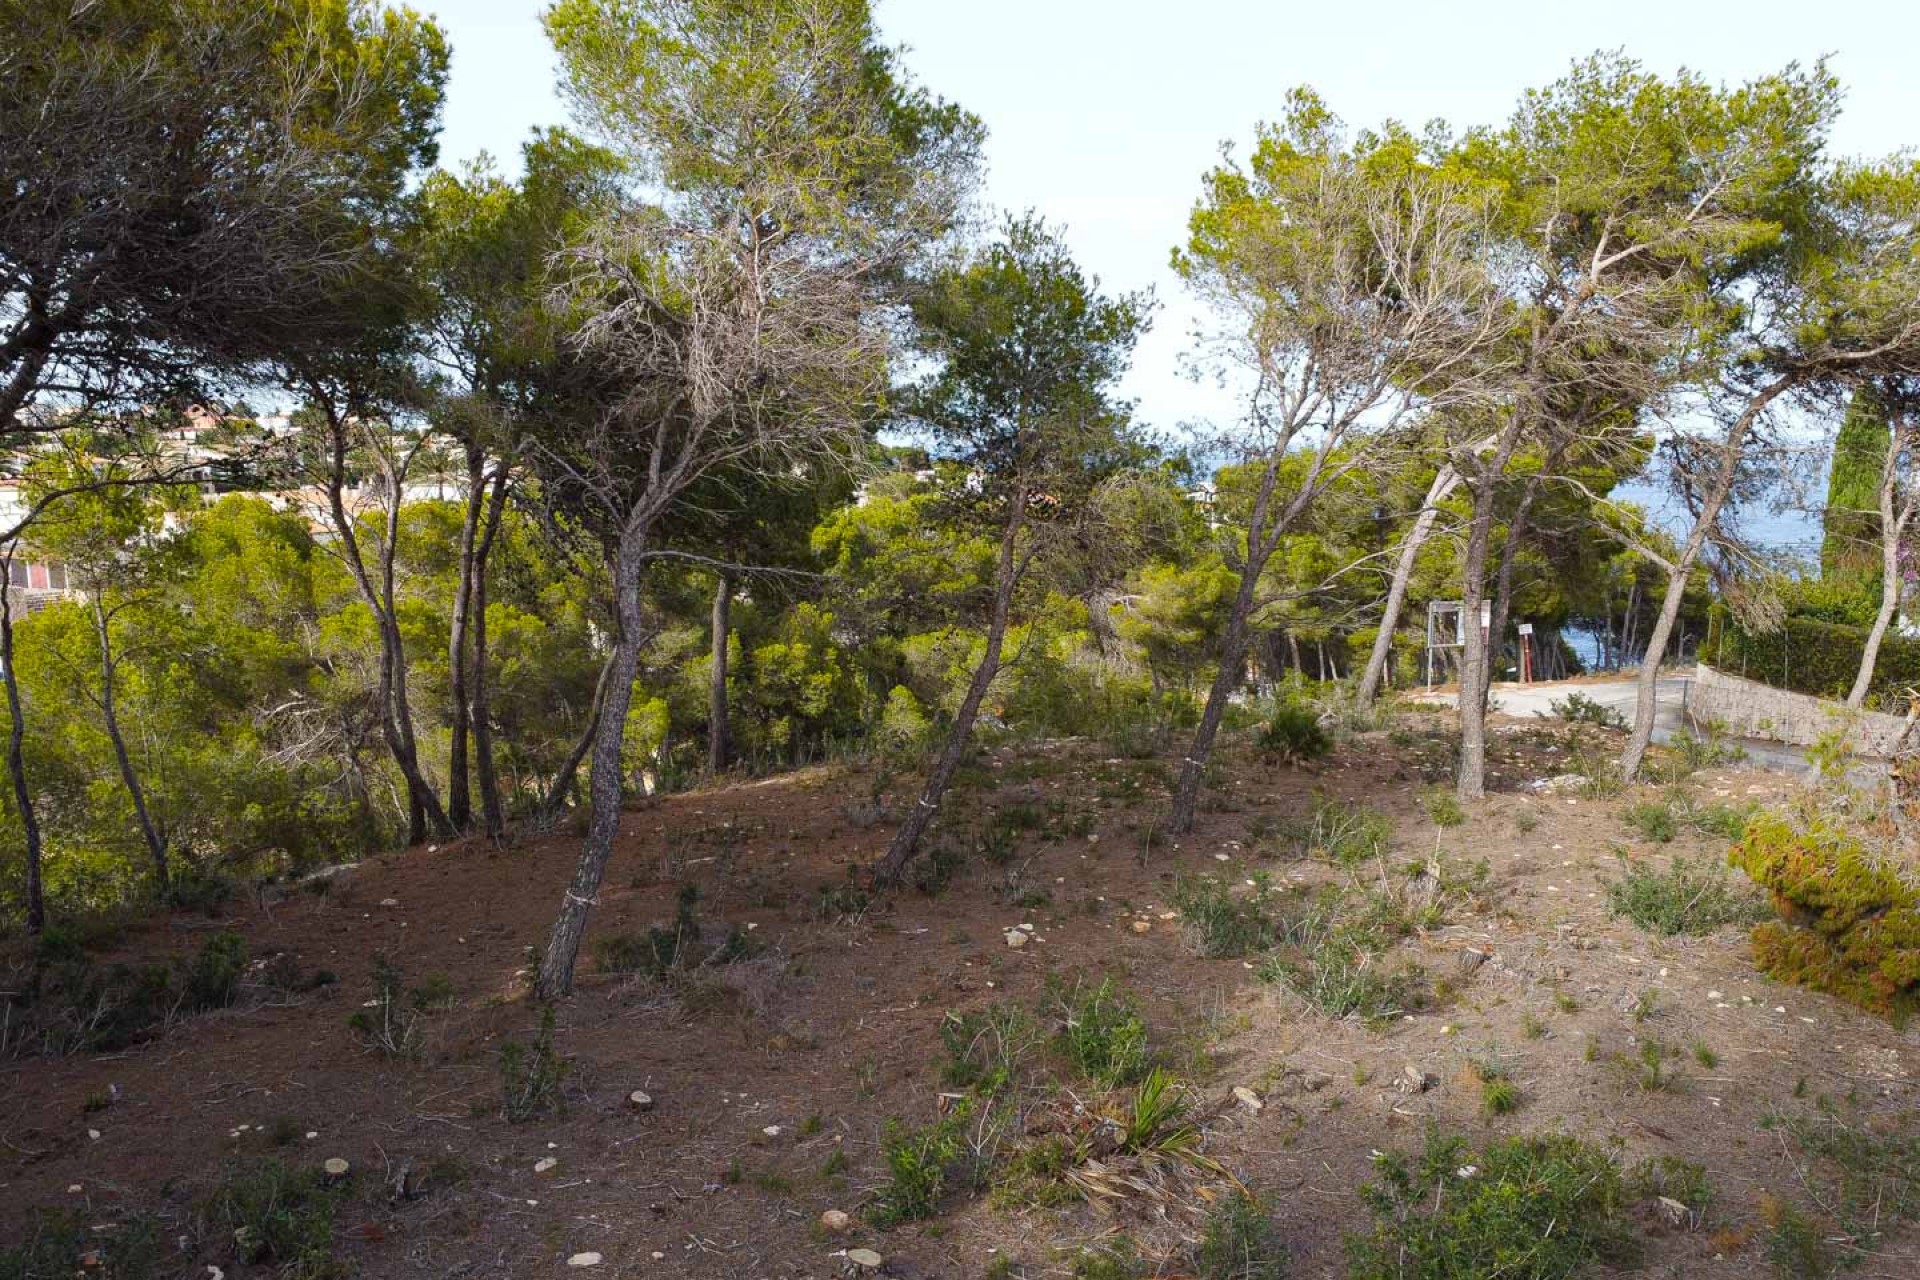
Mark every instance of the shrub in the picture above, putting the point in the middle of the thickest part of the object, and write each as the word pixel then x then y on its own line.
pixel 1849 923
pixel 1578 708
pixel 278 1215
pixel 1218 925
pixel 1239 1242
pixel 1684 898
pixel 1867 1183
pixel 1102 1034
pixel 1337 967
pixel 1653 819
pixel 1292 735
pixel 213 977
pixel 1809 656
pixel 386 1023
pixel 917 1164
pixel 1443 809
pixel 531 1076
pixel 1529 1208
pixel 985 1048
pixel 51 1241
pixel 1347 834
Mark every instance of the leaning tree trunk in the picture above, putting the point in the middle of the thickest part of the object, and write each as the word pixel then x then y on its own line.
pixel 1443 484
pixel 1233 648
pixel 609 739
pixel 562 783
pixel 906 840
pixel 493 813
pixel 109 710
pixel 1732 447
pixel 1470 782
pixel 1893 528
pixel 17 759
pixel 459 791
pixel 719 748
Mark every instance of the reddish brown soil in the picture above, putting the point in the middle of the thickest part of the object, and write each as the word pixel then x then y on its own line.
pixel 833 1028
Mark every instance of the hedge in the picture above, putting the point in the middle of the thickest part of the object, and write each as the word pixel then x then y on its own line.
pixel 1808 656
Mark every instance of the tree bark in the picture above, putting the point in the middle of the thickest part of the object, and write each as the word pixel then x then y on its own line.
pixel 563 944
pixel 36 907
pixel 563 780
pixel 1895 517
pixel 1007 571
pixel 719 746
pixel 396 715
pixel 1233 652
pixel 459 791
pixel 1732 447
pixel 1444 482
pixel 1470 783
pixel 156 842
pixel 493 813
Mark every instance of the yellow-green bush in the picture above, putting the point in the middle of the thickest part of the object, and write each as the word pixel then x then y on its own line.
pixel 1849 923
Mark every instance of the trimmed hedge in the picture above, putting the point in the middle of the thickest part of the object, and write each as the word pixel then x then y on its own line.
pixel 1808 656
pixel 1849 923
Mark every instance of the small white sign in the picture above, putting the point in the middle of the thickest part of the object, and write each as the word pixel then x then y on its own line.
pixel 1526 628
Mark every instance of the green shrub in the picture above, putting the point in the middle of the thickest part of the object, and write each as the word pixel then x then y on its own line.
pixel 1218 925
pixel 281 1216
pixel 1684 898
pixel 1102 1034
pixel 985 1048
pixel 1347 834
pixel 386 1023
pixel 51 1242
pixel 532 1076
pixel 1866 1181
pixel 1529 1208
pixel 213 977
pixel 1292 735
pixel 1849 923
pixel 1578 708
pixel 918 1161
pixel 1653 819
pixel 1239 1242
pixel 1443 808
pixel 1337 964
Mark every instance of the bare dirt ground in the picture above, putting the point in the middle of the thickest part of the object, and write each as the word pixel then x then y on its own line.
pixel 761 1071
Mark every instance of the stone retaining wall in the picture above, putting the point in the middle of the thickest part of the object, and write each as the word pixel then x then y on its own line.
pixel 1750 709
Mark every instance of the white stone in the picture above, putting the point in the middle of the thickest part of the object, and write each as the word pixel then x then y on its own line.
pixel 836 1221
pixel 544 1163
pixel 588 1259
pixel 865 1258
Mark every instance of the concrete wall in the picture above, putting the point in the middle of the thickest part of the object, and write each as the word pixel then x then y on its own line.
pixel 1754 710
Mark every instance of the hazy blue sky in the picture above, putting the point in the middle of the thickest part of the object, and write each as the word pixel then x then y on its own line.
pixel 1104 113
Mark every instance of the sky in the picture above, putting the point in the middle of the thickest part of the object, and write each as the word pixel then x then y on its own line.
pixel 1103 114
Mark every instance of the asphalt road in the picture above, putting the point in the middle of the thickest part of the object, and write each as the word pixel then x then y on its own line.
pixel 1669 709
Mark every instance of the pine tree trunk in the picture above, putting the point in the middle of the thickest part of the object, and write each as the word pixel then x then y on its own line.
pixel 493 813
pixel 109 710
pixel 1233 651
pixel 610 730
pixel 1007 570
pixel 1893 525
pixel 719 747
pixel 36 906
pixel 459 794
pixel 562 783
pixel 1443 484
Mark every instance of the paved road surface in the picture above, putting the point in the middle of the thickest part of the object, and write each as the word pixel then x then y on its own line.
pixel 1670 701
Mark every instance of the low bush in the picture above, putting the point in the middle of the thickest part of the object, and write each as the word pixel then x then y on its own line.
pixel 532 1076
pixel 1239 1242
pixel 918 1162
pixel 1849 923
pixel 1578 708
pixel 1216 923
pixel 1684 898
pixel 1292 735
pixel 1347 834
pixel 1529 1208
pixel 1867 1184
pixel 1102 1033
pixel 281 1216
pixel 50 1242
